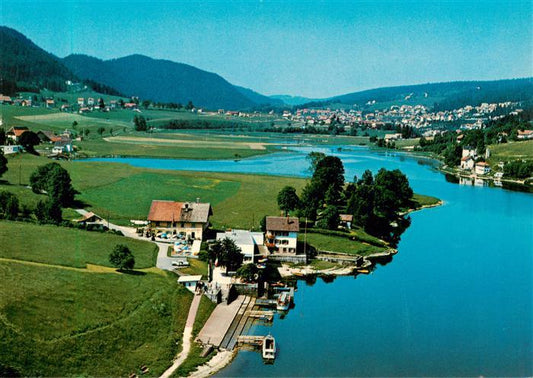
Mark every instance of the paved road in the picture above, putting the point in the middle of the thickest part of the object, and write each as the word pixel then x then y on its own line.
pixel 163 261
pixel 187 335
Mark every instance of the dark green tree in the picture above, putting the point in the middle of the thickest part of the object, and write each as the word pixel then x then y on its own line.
pixel 392 193
pixel 2 137
pixel 100 130
pixel 248 272
pixel 122 258
pixel 288 199
pixel 140 123
pixel 227 253
pixel 29 140
pixel 55 181
pixel 329 219
pixel 314 157
pixel 48 211
pixel 189 106
pixel 3 163
pixel 9 205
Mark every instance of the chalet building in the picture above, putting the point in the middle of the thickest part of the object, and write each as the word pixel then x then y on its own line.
pixel 15 132
pixel 187 218
pixel 469 151
pixel 346 220
pixel 282 234
pixel 524 135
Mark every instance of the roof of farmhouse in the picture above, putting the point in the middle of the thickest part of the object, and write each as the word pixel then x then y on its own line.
pixel 291 224
pixel 170 211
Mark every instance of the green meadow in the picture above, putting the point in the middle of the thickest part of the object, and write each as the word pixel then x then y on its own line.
pixel 522 150
pixel 61 322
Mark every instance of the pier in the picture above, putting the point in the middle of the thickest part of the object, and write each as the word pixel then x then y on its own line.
pixel 251 340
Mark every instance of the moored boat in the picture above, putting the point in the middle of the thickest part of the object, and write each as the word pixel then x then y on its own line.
pixel 269 347
pixel 283 302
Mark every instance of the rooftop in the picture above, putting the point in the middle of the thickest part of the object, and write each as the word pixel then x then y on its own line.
pixel 171 211
pixel 291 224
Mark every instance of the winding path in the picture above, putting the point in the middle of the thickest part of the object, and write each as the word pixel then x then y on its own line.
pixel 186 339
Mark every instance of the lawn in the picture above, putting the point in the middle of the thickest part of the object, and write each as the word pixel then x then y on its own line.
pixel 58 322
pixel 340 244
pixel 196 267
pixel 68 247
pixel 422 200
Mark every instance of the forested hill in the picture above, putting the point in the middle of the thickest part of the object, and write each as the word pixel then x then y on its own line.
pixel 440 96
pixel 160 80
pixel 24 65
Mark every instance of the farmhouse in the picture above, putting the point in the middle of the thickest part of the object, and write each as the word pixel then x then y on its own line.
pixel 186 218
pixel 15 132
pixel 62 147
pixel 282 233
pixel 526 134
pixel 247 241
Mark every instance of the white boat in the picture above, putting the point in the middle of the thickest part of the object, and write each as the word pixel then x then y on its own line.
pixel 269 348
pixel 283 302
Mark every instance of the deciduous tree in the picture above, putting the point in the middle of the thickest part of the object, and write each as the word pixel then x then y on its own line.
pixel 122 258
pixel 288 199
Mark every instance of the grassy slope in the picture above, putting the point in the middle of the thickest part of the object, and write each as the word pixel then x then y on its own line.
pixel 511 151
pixel 60 321
pixel 340 244
pixel 68 247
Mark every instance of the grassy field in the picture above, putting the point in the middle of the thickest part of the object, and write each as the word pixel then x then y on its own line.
pixel 196 267
pixel 422 200
pixel 68 247
pixel 59 320
pixel 340 244
pixel 511 151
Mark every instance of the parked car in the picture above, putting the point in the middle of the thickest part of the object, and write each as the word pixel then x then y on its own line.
pixel 180 263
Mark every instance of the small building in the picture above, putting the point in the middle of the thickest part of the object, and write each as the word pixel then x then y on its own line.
pixel 47 136
pixel 469 151
pixel 524 135
pixel 13 149
pixel 282 234
pixel 247 241
pixel 81 101
pixel 187 218
pixel 467 163
pixel 482 168
pixel 62 147
pixel 346 220
pixel 15 132
pixel 89 218
pixel 396 136
pixel 5 99
pixel 190 281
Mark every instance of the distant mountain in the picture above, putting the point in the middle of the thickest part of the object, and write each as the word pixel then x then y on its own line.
pixel 441 96
pixel 258 98
pixel 24 65
pixel 292 100
pixel 161 81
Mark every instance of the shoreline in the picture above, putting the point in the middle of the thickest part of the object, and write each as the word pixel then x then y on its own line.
pixel 218 362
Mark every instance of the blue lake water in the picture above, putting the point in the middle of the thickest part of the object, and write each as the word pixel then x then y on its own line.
pixel 455 301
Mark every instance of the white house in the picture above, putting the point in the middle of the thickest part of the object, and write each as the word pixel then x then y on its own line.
pixel 282 233
pixel 469 151
pixel 247 241
pixel 62 147
pixel 467 162
pixel 482 168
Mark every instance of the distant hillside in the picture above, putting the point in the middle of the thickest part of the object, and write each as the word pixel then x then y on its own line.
pixel 160 81
pixel 258 98
pixel 441 96
pixel 292 100
pixel 25 66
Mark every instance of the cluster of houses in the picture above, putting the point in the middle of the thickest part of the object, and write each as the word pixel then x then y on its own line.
pixel 190 220
pixel 61 144
pixel 468 161
pixel 417 116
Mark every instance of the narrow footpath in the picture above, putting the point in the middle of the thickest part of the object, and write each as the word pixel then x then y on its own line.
pixel 186 339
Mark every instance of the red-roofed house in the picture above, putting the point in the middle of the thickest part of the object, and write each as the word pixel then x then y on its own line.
pixel 467 162
pixel 482 168
pixel 526 134
pixel 188 218
pixel 15 132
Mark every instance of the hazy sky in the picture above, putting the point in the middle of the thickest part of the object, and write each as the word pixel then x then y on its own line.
pixel 309 48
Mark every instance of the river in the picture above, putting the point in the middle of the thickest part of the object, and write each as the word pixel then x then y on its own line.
pixel 455 301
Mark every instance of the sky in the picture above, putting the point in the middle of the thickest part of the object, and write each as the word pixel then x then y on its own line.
pixel 311 48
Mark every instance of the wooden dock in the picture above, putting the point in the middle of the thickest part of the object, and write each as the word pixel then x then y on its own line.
pixel 265 302
pixel 250 340
pixel 264 315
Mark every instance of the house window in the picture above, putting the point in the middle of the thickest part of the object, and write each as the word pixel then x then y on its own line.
pixel 182 225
